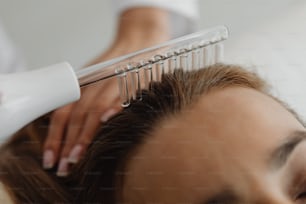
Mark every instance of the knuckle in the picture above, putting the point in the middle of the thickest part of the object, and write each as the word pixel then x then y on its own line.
pixel 59 114
pixel 77 116
pixel 100 107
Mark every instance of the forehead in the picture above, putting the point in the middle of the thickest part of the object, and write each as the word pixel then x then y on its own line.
pixel 209 145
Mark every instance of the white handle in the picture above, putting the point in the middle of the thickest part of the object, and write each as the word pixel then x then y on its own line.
pixel 26 96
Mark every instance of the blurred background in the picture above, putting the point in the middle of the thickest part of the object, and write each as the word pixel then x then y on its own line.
pixel 47 32
pixel 268 35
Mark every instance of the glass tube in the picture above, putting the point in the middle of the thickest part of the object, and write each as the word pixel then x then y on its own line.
pixel 188 52
pixel 104 70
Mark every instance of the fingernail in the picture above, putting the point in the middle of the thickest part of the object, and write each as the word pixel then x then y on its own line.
pixel 48 159
pixel 109 113
pixel 62 170
pixel 75 154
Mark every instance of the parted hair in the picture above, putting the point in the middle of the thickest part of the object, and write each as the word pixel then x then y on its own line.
pixel 99 176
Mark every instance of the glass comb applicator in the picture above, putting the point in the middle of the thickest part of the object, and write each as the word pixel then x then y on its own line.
pixel 26 96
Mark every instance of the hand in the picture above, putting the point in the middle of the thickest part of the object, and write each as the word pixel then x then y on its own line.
pixel 73 127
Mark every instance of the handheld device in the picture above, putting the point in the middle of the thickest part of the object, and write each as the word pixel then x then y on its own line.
pixel 26 96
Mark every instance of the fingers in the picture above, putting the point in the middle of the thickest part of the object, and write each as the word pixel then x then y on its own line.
pixel 92 123
pixel 77 142
pixel 74 126
pixel 55 135
pixel 109 113
pixel 70 146
pixel 90 126
pixel 84 123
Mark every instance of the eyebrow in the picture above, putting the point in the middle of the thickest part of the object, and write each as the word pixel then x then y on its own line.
pixel 226 196
pixel 280 155
pixel 279 158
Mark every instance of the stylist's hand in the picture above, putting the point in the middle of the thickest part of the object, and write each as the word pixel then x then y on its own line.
pixel 73 127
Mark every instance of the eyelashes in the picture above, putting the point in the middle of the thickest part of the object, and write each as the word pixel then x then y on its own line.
pixel 299 188
pixel 301 196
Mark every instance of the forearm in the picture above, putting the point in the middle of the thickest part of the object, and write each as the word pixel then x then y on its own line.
pixel 138 28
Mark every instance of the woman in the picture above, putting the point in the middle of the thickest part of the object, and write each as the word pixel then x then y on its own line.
pixel 209 136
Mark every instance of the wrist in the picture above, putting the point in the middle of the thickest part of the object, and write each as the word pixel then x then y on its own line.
pixel 143 25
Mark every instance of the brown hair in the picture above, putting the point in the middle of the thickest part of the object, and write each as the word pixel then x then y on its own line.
pixel 21 172
pixel 98 178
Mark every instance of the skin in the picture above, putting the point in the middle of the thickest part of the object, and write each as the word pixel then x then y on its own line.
pixel 72 127
pixel 222 144
pixel 4 196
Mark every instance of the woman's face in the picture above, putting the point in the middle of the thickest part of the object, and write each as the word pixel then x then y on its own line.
pixel 234 146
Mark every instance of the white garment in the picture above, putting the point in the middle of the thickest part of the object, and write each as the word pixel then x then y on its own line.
pixel 10 59
pixel 183 13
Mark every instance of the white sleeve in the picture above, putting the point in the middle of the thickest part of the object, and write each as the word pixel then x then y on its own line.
pixel 183 13
pixel 10 58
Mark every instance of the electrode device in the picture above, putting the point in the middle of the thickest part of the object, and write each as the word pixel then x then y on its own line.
pixel 26 96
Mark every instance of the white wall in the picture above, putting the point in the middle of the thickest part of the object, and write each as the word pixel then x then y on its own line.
pixel 56 30
pixel 50 31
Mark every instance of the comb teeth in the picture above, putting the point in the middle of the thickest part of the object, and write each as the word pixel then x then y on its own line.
pixel 137 70
pixel 193 58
